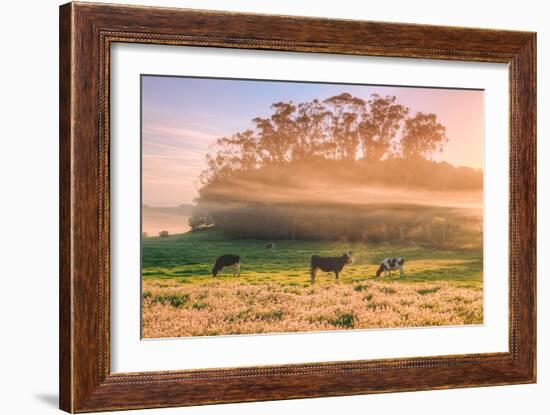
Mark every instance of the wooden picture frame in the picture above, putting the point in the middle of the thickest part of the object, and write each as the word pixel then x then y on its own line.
pixel 86 33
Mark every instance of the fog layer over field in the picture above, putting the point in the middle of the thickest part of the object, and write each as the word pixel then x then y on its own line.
pixel 403 201
pixel 307 191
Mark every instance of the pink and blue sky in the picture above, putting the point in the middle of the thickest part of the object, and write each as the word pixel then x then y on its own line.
pixel 182 116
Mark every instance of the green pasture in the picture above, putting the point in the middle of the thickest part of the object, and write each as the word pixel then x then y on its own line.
pixel 189 258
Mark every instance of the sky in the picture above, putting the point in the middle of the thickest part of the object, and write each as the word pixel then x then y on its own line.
pixel 182 116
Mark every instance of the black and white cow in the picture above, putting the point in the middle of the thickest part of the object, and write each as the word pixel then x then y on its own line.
pixel 227 261
pixel 329 264
pixel 391 264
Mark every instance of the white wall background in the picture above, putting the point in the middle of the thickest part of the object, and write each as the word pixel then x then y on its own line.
pixel 29 207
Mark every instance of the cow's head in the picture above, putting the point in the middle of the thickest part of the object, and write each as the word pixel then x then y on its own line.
pixel 380 270
pixel 348 256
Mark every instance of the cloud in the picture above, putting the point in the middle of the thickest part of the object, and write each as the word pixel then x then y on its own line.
pixel 173 159
pixel 173 132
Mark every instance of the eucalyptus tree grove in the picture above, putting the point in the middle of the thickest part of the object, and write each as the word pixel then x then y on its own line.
pixel 341 127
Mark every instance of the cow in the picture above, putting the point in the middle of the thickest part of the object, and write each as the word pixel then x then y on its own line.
pixel 391 264
pixel 227 261
pixel 329 264
pixel 270 245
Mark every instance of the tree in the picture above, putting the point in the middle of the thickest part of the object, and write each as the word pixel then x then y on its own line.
pixel 277 134
pixel 380 125
pixel 345 110
pixel 230 154
pixel 311 133
pixel 423 136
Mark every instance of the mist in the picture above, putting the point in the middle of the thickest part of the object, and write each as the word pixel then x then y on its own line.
pixel 307 191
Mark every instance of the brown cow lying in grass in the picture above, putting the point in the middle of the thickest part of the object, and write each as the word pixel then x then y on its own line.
pixel 329 264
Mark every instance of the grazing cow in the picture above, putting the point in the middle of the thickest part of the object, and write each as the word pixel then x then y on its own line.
pixel 227 261
pixel 270 246
pixel 329 264
pixel 391 264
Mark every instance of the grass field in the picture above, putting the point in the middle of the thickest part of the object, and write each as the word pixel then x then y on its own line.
pixel 273 294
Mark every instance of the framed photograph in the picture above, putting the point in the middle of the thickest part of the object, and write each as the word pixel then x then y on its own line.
pixel 260 207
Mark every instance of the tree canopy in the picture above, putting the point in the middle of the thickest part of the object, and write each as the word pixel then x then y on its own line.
pixel 341 127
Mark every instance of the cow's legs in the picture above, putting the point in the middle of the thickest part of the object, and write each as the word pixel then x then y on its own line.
pixel 401 272
pixel 313 271
pixel 337 274
pixel 239 269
